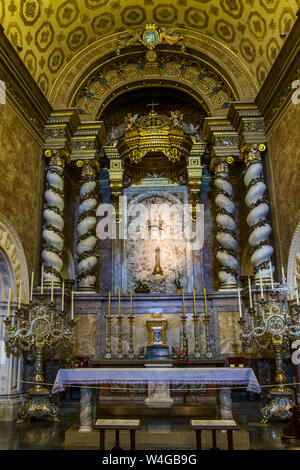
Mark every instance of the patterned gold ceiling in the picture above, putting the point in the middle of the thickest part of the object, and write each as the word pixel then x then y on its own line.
pixel 52 32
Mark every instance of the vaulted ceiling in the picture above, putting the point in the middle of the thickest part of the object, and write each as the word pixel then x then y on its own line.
pixel 52 32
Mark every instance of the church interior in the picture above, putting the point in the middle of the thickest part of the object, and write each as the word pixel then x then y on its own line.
pixel 149 224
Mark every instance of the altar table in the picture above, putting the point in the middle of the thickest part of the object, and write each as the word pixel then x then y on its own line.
pixel 220 376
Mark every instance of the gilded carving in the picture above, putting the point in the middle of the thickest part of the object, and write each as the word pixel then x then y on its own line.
pixel 269 5
pixel 77 38
pixel 257 25
pixel 133 15
pixel 67 13
pixel 93 4
pixel 225 30
pixel 14 34
pixel 247 50
pixel 165 13
pixel 30 11
pixel 233 8
pixel 44 36
pixel 56 59
pixel 195 17
pixel 103 23
pixel 273 49
pixel 30 61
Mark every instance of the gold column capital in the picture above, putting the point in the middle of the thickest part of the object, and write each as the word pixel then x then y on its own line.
pixel 220 164
pixel 89 168
pixel 252 152
pixel 57 157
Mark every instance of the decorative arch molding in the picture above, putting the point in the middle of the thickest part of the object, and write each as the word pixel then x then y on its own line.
pixel 12 249
pixel 294 257
pixel 197 47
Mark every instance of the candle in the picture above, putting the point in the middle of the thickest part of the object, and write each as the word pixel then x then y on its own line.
pixel 42 280
pixel 282 272
pixel 205 306
pixel 20 295
pixel 119 303
pixel 297 292
pixel 109 294
pixel 52 287
pixel 63 295
pixel 8 303
pixel 261 286
pixel 271 275
pixel 31 287
pixel 183 306
pixel 130 302
pixel 239 297
pixel 250 292
pixel 194 300
pixel 72 305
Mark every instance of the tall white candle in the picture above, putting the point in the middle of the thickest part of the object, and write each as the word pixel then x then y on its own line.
pixel 297 292
pixel 282 272
pixel 261 286
pixel 109 300
pixel 31 287
pixel 63 296
pixel 271 275
pixel 20 295
pixel 72 305
pixel 52 287
pixel 250 292
pixel 8 303
pixel 42 280
pixel 240 305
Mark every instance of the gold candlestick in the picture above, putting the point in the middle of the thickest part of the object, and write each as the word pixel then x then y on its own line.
pixel 120 321
pixel 197 353
pixel 108 354
pixel 131 318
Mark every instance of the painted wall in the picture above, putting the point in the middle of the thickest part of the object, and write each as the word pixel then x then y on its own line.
pixel 283 178
pixel 21 181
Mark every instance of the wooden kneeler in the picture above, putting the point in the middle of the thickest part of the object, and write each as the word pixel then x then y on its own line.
pixel 117 424
pixel 214 425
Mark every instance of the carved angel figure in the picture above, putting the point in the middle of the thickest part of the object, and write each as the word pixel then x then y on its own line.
pixel 169 36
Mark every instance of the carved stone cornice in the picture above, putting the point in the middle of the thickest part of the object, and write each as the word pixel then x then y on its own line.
pixel 277 90
pixel 22 92
pixel 248 123
pixel 194 174
pixel 224 140
pixel 60 128
pixel 87 140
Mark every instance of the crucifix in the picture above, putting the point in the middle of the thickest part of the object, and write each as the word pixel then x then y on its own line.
pixel 153 104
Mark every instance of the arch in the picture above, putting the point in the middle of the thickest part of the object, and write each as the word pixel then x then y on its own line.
pixel 294 257
pixel 14 256
pixel 13 270
pixel 198 47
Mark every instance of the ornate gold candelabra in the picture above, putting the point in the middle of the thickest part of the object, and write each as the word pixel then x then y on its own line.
pixel 272 327
pixel 37 330
pixel 108 352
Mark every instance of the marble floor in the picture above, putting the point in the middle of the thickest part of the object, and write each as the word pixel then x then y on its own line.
pixel 45 435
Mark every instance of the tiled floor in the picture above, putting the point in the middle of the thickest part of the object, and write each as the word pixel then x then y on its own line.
pixel 45 435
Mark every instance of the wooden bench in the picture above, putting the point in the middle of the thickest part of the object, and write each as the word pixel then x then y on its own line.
pixel 117 424
pixel 214 425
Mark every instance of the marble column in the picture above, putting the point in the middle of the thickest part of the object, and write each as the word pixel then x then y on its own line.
pixel 86 226
pixel 53 238
pixel 258 206
pixel 226 226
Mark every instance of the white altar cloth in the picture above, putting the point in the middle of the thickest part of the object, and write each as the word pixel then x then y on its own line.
pixel 193 376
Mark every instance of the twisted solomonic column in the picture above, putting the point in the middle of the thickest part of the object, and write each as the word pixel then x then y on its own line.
pixel 86 228
pixel 54 219
pixel 226 226
pixel 258 206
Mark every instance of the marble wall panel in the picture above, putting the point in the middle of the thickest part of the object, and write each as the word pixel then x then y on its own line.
pixel 283 178
pixel 85 335
pixel 229 333
pixel 21 181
